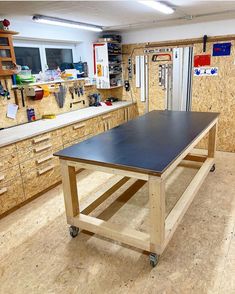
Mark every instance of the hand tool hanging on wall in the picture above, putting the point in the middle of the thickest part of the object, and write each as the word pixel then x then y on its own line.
pixel 81 90
pixel 127 85
pixel 3 92
pixel 129 68
pixel 71 91
pixel 76 102
pixel 8 93
pixel 160 75
pixel 22 96
pixel 16 96
pixel 204 42
pixel 60 96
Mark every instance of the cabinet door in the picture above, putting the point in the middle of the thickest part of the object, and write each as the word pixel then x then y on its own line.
pixel 101 65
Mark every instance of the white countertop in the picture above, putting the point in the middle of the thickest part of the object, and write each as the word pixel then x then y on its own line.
pixel 22 132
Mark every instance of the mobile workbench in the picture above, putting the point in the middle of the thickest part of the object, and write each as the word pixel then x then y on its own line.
pixel 148 148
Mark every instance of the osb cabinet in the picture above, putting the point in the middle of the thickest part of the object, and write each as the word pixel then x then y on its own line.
pixel 28 167
pixel 7 54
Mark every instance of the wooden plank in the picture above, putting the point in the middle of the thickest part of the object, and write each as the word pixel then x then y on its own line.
pixel 194 157
pixel 168 171
pixel 157 213
pixel 109 170
pixel 112 231
pixel 212 142
pixel 189 41
pixel 107 190
pixel 190 164
pixel 70 189
pixel 186 199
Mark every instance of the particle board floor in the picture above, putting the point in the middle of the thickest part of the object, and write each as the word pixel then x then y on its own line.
pixel 37 255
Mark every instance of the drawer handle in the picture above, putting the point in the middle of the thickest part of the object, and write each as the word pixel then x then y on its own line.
pixel 3 190
pixel 38 140
pixel 106 116
pixel 41 160
pixel 78 126
pixel 46 169
pixel 39 149
pixel 2 177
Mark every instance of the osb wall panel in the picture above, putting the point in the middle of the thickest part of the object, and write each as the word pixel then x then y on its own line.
pixel 215 94
pixel 45 106
pixel 156 93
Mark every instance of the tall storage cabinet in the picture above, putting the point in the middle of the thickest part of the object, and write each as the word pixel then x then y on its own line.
pixel 107 65
pixel 7 54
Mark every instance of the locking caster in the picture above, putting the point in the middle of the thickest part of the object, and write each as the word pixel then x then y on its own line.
pixel 212 168
pixel 74 231
pixel 153 259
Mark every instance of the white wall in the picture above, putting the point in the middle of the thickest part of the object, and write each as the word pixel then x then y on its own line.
pixel 215 28
pixel 84 39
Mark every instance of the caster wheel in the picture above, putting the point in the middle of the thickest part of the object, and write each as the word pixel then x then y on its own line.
pixel 153 259
pixel 73 231
pixel 212 168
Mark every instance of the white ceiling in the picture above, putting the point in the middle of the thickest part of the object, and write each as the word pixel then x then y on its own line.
pixel 120 15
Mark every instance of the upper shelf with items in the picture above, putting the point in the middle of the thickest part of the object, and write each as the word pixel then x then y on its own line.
pixel 108 64
pixel 7 54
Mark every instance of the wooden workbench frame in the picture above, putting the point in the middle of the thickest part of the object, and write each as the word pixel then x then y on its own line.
pixel 161 228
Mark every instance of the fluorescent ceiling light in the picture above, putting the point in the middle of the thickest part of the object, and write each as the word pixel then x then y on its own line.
pixel 66 23
pixel 158 6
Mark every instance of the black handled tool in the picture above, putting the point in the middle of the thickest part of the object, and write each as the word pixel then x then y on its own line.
pixel 204 42
pixel 22 96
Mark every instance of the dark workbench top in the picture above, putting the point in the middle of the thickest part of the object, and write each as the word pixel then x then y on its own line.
pixel 148 144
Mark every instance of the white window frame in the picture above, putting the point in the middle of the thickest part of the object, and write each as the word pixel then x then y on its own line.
pixel 42 45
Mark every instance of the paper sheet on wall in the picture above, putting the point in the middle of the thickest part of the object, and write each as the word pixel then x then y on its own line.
pixel 12 110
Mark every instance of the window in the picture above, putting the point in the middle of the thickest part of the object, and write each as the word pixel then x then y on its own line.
pixel 39 56
pixel 57 57
pixel 29 56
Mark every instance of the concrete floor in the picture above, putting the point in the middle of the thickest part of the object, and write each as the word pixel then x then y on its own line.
pixel 37 255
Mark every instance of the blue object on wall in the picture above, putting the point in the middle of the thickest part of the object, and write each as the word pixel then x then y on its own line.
pixel 222 49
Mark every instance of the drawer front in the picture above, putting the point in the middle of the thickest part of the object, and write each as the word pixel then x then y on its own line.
pixel 42 178
pixel 39 149
pixel 132 112
pixel 76 131
pixel 8 161
pixel 39 160
pixel 8 174
pixel 38 140
pixel 121 116
pixel 109 121
pixel 11 194
pixel 7 150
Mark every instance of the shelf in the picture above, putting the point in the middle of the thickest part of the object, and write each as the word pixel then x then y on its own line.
pixel 7 32
pixel 112 87
pixel 3 47
pixel 6 59
pixel 6 72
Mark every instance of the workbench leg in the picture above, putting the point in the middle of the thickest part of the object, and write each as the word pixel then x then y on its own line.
pixel 70 190
pixel 157 213
pixel 212 141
